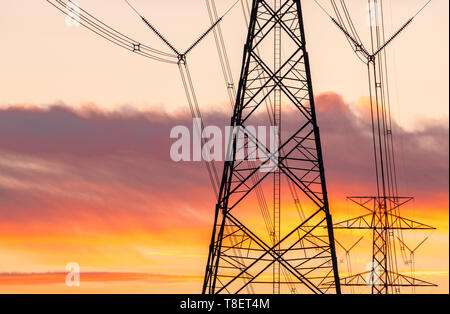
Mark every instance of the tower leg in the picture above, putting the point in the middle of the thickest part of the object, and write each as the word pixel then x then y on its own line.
pixel 297 254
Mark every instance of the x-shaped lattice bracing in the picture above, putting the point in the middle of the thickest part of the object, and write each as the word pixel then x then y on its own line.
pixel 272 159
pixel 277 256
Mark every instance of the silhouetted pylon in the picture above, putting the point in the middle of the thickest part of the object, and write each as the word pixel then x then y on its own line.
pixel 298 254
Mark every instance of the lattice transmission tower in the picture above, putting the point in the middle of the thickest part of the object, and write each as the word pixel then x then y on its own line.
pixel 384 217
pixel 295 253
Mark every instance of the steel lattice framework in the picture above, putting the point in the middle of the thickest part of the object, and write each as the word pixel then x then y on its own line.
pixel 241 259
pixel 385 222
pixel 299 255
pixel 385 218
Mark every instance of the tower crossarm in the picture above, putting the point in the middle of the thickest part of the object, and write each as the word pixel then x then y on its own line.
pixel 268 250
pixel 366 223
pixel 87 20
pixel 400 280
pixel 360 223
pixel 397 280
pixel 401 223
pixel 307 253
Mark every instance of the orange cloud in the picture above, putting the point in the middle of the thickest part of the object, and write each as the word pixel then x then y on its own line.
pixel 100 189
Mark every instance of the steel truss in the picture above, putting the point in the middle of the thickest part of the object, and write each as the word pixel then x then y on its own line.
pixel 240 258
pixel 384 221
pixel 384 218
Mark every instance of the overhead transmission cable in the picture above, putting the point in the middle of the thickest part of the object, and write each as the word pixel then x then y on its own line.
pixel 93 24
pixel 189 87
pixel 231 90
pixel 377 47
pixel 382 130
pixel 180 55
pixel 390 146
pixel 229 82
pixel 269 107
pixel 347 256
pixel 358 44
pixel 379 75
pixel 292 188
pixel 107 32
pixel 192 98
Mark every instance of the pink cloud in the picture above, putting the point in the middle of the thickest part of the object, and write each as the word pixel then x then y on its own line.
pixel 59 162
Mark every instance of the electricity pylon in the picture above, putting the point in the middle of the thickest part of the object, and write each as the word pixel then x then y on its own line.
pixel 384 219
pixel 387 226
pixel 299 254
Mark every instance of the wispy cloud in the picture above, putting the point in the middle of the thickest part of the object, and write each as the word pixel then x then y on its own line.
pixel 100 188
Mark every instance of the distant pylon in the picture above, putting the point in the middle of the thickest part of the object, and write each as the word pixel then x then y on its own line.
pixel 385 218
pixel 386 224
pixel 298 254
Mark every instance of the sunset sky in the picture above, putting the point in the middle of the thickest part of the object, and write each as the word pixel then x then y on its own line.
pixel 85 170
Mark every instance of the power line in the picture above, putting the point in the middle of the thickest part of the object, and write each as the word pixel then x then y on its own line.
pixel 101 29
pixel 189 86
